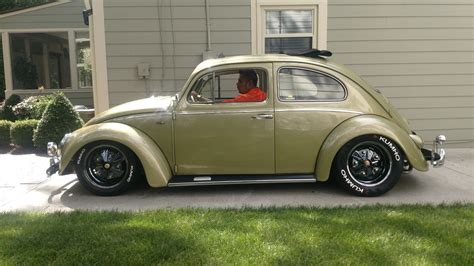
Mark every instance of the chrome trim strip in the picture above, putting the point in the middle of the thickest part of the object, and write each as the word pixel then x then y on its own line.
pixel 143 115
pixel 318 110
pixel 265 111
pixel 242 182
pixel 236 111
pixel 202 178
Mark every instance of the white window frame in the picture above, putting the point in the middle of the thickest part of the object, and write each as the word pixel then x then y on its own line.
pixel 259 7
pixel 72 60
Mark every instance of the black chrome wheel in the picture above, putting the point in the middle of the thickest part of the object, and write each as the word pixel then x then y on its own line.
pixel 368 165
pixel 106 168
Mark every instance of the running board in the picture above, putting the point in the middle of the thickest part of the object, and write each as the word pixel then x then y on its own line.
pixel 208 180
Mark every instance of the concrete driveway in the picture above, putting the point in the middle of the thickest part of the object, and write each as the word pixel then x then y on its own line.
pixel 25 187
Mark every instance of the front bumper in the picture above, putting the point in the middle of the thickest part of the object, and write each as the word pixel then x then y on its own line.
pixel 437 154
pixel 53 152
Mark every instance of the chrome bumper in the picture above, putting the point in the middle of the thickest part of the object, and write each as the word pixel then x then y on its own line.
pixel 436 154
pixel 53 152
pixel 438 150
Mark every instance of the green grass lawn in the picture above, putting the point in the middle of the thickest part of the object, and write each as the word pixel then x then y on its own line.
pixel 368 235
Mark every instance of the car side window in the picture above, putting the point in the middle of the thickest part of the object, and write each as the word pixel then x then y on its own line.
pixel 223 87
pixel 305 85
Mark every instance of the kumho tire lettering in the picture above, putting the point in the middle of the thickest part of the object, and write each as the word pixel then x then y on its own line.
pixel 368 165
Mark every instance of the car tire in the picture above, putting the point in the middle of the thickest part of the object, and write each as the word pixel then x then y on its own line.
pixel 368 165
pixel 106 168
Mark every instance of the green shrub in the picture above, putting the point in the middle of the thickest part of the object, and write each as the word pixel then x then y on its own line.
pixel 24 109
pixel 5 132
pixel 21 132
pixel 32 107
pixel 8 107
pixel 40 106
pixel 58 119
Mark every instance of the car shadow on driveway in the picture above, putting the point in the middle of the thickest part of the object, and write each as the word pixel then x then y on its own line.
pixel 142 197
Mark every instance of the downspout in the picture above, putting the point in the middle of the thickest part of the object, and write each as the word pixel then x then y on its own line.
pixel 208 54
pixel 208 27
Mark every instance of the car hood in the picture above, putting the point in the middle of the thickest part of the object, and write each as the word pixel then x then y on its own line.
pixel 149 105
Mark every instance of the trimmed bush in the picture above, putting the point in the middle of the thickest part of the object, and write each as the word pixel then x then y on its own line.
pixel 40 105
pixel 5 132
pixel 58 119
pixel 32 107
pixel 8 105
pixel 21 132
pixel 24 109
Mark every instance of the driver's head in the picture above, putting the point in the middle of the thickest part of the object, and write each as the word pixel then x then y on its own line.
pixel 247 80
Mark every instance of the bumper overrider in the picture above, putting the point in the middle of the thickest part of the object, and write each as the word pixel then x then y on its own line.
pixel 436 154
pixel 54 151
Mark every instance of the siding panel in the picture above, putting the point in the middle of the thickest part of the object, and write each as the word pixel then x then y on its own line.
pixel 419 53
pixel 133 36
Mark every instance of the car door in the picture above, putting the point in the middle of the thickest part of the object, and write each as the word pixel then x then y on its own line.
pixel 217 138
pixel 310 101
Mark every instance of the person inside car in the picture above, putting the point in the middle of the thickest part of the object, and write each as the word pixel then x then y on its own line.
pixel 247 86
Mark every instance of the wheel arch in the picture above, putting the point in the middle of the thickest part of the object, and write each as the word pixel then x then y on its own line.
pixel 155 165
pixel 366 125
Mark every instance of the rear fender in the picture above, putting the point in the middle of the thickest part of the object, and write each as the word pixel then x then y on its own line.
pixel 157 169
pixel 366 125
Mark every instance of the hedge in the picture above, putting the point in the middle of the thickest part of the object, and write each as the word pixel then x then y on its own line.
pixel 5 132
pixel 21 132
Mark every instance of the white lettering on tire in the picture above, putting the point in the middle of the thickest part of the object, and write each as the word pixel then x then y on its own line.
pixel 130 175
pixel 349 182
pixel 80 156
pixel 392 148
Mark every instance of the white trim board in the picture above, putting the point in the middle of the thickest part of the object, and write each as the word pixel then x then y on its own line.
pixel 42 30
pixel 99 56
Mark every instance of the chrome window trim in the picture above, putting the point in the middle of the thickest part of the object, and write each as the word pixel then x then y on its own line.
pixel 213 72
pixel 312 70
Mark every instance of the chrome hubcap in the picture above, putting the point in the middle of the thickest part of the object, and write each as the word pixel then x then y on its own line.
pixel 107 166
pixel 369 164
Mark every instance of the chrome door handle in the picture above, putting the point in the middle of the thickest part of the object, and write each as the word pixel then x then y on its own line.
pixel 262 116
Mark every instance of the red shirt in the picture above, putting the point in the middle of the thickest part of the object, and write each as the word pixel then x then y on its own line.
pixel 253 95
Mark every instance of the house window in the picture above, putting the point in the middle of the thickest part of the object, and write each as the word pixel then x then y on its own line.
pixel 40 60
pixel 50 60
pixel 288 30
pixel 279 26
pixel 84 60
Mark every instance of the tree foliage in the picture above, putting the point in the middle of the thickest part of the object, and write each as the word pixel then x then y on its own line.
pixel 11 5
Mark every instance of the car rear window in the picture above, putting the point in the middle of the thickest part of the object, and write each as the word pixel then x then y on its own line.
pixel 305 85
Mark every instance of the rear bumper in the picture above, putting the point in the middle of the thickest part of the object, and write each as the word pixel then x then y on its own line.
pixel 437 154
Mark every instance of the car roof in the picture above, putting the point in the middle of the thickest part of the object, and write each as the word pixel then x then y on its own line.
pixel 271 58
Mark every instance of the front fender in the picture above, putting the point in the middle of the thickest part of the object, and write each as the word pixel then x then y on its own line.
pixel 366 125
pixel 156 167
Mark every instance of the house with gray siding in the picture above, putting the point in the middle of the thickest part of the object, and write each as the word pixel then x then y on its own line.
pixel 419 53
pixel 46 48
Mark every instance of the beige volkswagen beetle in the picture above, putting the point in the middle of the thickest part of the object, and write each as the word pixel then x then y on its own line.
pixel 307 120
